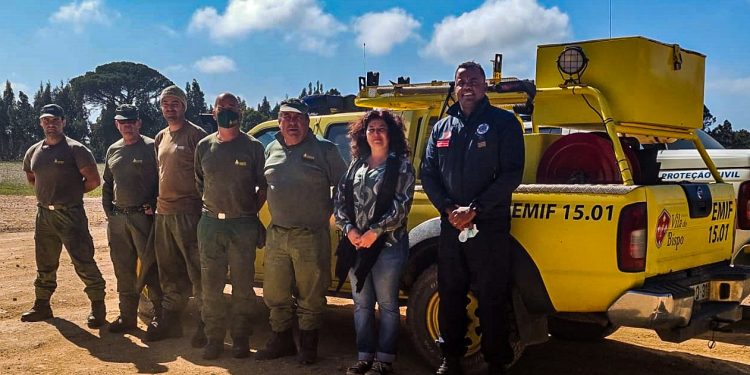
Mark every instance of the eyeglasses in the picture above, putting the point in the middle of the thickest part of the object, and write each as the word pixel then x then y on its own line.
pixel 377 130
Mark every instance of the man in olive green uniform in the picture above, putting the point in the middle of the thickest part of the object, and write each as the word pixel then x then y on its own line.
pixel 61 170
pixel 229 175
pixel 178 209
pixel 131 183
pixel 300 169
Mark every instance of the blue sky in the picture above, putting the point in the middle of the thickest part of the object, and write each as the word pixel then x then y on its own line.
pixel 272 48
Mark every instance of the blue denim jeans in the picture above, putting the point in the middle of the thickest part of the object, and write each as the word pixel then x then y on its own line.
pixel 381 286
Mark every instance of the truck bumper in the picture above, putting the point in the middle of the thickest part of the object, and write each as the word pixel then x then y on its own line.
pixel 685 304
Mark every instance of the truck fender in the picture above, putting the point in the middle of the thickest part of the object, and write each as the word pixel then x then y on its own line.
pixel 423 243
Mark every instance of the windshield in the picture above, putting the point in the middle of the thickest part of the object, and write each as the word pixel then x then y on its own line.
pixel 708 142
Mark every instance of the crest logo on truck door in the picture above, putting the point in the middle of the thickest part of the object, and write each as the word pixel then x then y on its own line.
pixel 662 225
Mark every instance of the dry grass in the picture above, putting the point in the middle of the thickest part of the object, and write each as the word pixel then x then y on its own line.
pixel 13 180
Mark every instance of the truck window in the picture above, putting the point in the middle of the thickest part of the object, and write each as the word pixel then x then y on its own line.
pixel 338 133
pixel 708 142
pixel 266 136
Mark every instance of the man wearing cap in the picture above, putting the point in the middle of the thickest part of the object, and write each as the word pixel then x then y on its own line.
pixel 300 169
pixel 178 209
pixel 61 170
pixel 229 176
pixel 129 191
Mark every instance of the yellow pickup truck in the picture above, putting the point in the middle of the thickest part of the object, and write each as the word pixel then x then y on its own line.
pixel 600 241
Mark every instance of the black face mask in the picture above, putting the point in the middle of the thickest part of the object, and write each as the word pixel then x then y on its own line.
pixel 227 118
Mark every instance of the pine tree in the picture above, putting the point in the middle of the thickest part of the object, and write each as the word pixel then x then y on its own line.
pixel 7 116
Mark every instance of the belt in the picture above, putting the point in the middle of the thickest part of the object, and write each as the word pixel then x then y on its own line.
pixel 128 210
pixel 53 207
pixel 223 215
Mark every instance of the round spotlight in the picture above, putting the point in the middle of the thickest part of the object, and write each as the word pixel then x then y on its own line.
pixel 572 60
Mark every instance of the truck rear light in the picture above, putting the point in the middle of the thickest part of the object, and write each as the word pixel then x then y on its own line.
pixel 743 206
pixel 632 238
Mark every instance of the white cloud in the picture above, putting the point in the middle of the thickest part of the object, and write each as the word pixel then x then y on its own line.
pixel 739 86
pixel 168 31
pixel 384 30
pixel 300 21
pixel 177 68
pixel 511 27
pixel 86 12
pixel 215 64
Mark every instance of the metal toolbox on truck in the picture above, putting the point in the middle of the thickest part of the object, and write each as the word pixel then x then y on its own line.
pixel 645 81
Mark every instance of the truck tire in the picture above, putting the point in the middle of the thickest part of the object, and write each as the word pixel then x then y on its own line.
pixel 574 330
pixel 423 330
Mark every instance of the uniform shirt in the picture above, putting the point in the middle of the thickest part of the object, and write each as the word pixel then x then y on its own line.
pixel 477 160
pixel 367 184
pixel 300 178
pixel 228 173
pixel 58 180
pixel 131 177
pixel 175 152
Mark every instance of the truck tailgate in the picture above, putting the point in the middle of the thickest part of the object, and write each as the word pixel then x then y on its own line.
pixel 689 225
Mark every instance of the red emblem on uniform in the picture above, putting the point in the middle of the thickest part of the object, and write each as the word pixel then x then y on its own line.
pixel 445 139
pixel 662 225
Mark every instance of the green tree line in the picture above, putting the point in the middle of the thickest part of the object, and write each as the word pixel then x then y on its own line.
pixel 90 100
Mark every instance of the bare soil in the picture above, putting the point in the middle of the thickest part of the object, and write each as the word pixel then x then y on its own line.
pixel 65 345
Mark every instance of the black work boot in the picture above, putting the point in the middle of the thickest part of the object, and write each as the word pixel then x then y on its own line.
pixel 213 348
pixel 495 368
pixel 281 344
pixel 450 366
pixel 308 346
pixel 166 325
pixel 98 315
pixel 240 347
pixel 123 324
pixel 199 338
pixel 40 311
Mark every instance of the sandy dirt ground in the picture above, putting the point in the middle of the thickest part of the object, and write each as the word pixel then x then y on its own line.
pixel 65 345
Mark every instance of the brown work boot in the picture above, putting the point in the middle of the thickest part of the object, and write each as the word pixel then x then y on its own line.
pixel 281 344
pixel 40 311
pixel 308 346
pixel 98 315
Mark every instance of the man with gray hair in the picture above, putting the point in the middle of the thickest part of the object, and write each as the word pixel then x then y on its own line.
pixel 178 209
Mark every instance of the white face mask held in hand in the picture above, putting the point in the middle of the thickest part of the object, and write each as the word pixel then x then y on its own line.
pixel 468 233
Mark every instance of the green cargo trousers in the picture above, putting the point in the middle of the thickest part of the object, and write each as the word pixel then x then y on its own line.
pixel 69 227
pixel 296 259
pixel 178 260
pixel 131 239
pixel 228 245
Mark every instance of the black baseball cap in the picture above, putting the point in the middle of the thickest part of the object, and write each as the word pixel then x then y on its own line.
pixel 52 110
pixel 126 112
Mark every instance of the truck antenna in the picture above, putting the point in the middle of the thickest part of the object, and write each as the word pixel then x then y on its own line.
pixel 610 19
pixel 364 58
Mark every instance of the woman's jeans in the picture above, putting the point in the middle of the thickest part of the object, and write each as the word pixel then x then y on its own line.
pixel 382 286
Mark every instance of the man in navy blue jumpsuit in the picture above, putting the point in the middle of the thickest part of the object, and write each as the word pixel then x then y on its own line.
pixel 473 162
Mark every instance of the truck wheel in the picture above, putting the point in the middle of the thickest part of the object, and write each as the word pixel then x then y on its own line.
pixel 423 329
pixel 573 330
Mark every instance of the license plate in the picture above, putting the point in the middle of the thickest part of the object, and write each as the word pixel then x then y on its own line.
pixel 700 291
